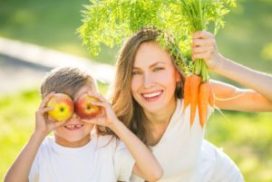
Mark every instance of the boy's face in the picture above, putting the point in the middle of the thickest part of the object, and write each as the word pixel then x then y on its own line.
pixel 75 132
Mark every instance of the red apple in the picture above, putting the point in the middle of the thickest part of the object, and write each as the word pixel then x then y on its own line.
pixel 84 107
pixel 62 107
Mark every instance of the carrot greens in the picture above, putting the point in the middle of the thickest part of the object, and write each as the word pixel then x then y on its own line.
pixel 109 22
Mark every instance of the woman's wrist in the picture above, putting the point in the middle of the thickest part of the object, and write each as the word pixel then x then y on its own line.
pixel 218 63
pixel 114 124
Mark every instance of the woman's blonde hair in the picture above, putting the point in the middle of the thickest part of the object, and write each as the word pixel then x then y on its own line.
pixel 124 105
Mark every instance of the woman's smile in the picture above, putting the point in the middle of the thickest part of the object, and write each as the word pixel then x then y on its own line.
pixel 152 96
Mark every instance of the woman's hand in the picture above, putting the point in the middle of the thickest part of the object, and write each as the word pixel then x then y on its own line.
pixel 43 124
pixel 204 47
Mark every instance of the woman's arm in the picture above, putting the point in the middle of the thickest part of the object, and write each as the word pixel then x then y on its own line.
pixel 232 98
pixel 259 95
pixel 250 78
pixel 146 165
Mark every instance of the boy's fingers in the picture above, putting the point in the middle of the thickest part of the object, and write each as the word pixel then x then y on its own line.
pixel 97 103
pixel 46 99
pixel 46 109
pixel 98 96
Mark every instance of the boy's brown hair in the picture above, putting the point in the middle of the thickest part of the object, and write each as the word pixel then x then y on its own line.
pixel 66 80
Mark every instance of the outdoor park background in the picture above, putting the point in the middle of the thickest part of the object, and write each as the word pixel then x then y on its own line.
pixel 246 38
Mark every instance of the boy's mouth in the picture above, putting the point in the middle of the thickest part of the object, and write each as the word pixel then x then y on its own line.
pixel 73 126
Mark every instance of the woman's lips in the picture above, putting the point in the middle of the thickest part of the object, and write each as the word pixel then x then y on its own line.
pixel 152 96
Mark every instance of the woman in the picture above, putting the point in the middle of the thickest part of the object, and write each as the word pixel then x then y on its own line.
pixel 146 98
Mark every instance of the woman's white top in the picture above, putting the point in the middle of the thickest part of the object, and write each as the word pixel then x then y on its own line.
pixel 185 156
pixel 103 159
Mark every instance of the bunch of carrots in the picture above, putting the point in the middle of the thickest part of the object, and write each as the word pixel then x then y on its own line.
pixel 197 90
pixel 198 93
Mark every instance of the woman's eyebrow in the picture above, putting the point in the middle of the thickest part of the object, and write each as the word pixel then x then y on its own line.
pixel 152 65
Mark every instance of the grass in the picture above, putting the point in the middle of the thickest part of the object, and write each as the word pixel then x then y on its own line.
pixel 246 138
pixel 16 120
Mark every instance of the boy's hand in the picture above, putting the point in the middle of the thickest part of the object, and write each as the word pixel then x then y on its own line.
pixel 43 124
pixel 107 117
pixel 204 47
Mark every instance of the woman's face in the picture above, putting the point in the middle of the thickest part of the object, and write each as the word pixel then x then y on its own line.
pixel 154 78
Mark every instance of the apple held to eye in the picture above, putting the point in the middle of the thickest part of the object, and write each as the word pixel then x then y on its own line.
pixel 62 107
pixel 84 107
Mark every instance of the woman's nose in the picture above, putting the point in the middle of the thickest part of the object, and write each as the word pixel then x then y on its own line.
pixel 148 80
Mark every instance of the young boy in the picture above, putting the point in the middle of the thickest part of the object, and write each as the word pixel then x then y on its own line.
pixel 73 153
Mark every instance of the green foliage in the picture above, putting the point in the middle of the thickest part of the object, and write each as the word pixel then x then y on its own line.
pixel 246 138
pixel 110 21
pixel 200 13
pixel 17 121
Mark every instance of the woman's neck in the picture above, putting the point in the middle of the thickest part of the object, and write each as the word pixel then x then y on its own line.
pixel 163 116
pixel 158 122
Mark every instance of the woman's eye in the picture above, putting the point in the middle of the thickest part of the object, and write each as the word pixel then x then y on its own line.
pixel 136 72
pixel 158 69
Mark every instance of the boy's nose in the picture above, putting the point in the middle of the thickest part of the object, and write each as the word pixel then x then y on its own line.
pixel 74 117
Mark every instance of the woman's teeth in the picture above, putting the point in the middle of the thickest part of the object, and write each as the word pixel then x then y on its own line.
pixel 152 95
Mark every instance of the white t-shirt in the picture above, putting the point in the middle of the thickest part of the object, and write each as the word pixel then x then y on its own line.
pixel 103 159
pixel 185 156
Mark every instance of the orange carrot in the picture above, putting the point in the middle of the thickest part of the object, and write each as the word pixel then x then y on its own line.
pixel 186 92
pixel 194 89
pixel 203 101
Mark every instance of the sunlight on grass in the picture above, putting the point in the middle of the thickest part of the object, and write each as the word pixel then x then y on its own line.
pixel 17 121
pixel 267 52
pixel 246 138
